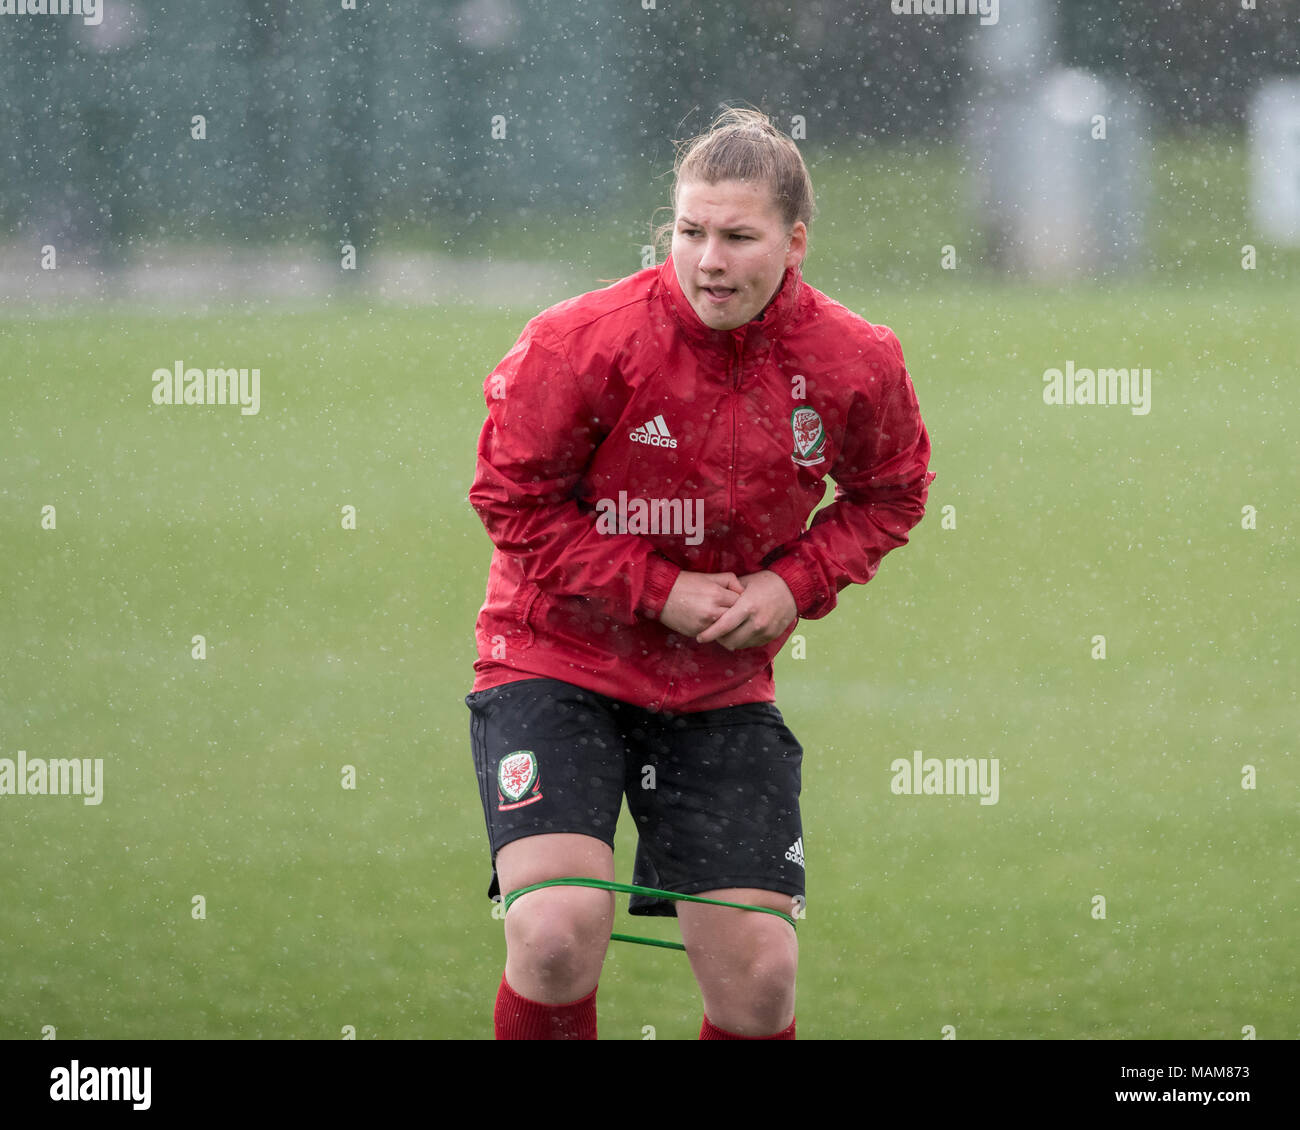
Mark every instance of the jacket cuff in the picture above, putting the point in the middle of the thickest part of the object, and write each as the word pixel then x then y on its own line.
pixel 660 576
pixel 802 585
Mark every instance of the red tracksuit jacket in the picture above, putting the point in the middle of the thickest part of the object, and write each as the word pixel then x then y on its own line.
pixel 626 390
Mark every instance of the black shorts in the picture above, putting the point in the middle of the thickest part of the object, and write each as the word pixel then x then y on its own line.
pixel 714 793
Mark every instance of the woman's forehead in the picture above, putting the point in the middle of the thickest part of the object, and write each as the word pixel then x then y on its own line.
pixel 726 204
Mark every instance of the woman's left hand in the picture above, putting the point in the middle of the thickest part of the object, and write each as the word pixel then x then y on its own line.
pixel 765 610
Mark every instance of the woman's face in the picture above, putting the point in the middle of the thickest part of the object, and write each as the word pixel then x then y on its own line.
pixel 731 249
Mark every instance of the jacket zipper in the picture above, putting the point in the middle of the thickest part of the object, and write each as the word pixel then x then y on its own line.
pixel 737 364
pixel 731 471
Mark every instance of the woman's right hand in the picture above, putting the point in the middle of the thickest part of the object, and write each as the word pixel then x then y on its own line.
pixel 698 599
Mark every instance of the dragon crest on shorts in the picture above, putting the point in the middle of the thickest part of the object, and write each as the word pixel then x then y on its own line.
pixel 518 780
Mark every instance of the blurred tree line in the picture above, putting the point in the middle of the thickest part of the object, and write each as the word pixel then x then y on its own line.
pixel 328 123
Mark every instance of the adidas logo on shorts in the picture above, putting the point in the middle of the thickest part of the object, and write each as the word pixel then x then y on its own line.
pixel 794 853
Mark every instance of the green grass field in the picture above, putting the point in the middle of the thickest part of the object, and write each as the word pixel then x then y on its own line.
pixel 328 647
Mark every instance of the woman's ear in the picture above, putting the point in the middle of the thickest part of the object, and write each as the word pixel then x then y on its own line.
pixel 797 247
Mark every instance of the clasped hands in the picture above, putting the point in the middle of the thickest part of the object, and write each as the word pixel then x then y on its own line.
pixel 736 612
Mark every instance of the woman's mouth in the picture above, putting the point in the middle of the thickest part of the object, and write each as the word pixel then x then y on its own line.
pixel 719 294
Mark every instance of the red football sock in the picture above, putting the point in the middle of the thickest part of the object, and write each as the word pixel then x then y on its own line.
pixel 710 1031
pixel 518 1018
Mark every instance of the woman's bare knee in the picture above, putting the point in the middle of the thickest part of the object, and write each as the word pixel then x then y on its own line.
pixel 556 937
pixel 745 963
pixel 556 941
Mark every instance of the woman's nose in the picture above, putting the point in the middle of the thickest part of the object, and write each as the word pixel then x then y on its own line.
pixel 713 258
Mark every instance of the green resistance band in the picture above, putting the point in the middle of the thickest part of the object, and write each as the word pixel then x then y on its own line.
pixel 629 889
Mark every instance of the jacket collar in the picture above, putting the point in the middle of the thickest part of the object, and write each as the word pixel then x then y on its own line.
pixel 754 335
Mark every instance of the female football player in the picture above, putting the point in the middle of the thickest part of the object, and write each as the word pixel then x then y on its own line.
pixel 651 457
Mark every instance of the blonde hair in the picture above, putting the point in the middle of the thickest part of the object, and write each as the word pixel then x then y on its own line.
pixel 743 144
